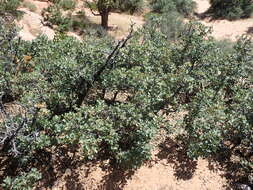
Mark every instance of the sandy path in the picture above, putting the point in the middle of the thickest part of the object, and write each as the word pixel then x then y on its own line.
pixel 224 29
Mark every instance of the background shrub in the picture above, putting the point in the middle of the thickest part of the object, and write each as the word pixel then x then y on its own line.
pixel 231 10
pixel 10 6
pixel 184 7
pixel 67 4
pixel 169 23
pixel 131 6
pixel 53 16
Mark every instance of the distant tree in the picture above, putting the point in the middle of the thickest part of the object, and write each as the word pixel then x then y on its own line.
pixel 103 7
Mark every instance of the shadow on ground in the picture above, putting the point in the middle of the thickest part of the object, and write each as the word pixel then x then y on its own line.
pixel 116 179
pixel 183 166
pixel 232 169
pixel 66 170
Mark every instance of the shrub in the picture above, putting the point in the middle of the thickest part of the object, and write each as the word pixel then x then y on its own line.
pixel 131 6
pixel 65 87
pixel 53 16
pixel 10 6
pixel 169 23
pixel 217 96
pixel 103 99
pixel 67 4
pixel 25 181
pixel 184 7
pixel 231 10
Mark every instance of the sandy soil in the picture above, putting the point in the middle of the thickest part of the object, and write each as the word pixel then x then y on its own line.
pixel 224 29
pixel 120 22
pixel 170 169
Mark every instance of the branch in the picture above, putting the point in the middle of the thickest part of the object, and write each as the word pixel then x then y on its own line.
pixel 12 130
pixel 121 44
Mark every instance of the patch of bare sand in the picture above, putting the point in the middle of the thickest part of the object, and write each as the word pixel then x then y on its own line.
pixel 224 29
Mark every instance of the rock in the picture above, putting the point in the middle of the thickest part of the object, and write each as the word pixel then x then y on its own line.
pixel 31 26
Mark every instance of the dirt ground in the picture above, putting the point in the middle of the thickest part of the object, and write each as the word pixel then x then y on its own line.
pixel 169 169
pixel 31 25
pixel 224 29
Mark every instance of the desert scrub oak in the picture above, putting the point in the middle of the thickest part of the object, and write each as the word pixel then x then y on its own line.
pixel 217 93
pixel 102 98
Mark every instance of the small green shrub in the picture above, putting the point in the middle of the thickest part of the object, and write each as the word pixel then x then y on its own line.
pixel 53 16
pixel 67 4
pixel 55 1
pixel 231 10
pixel 25 181
pixel 96 31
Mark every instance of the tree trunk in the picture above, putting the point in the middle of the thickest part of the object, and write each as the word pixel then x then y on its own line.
pixel 104 19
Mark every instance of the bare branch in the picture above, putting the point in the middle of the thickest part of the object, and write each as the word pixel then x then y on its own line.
pixel 109 62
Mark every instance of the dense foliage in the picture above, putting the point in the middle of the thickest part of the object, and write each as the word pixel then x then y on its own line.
pixel 67 4
pixel 219 92
pixel 233 9
pixel 102 99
